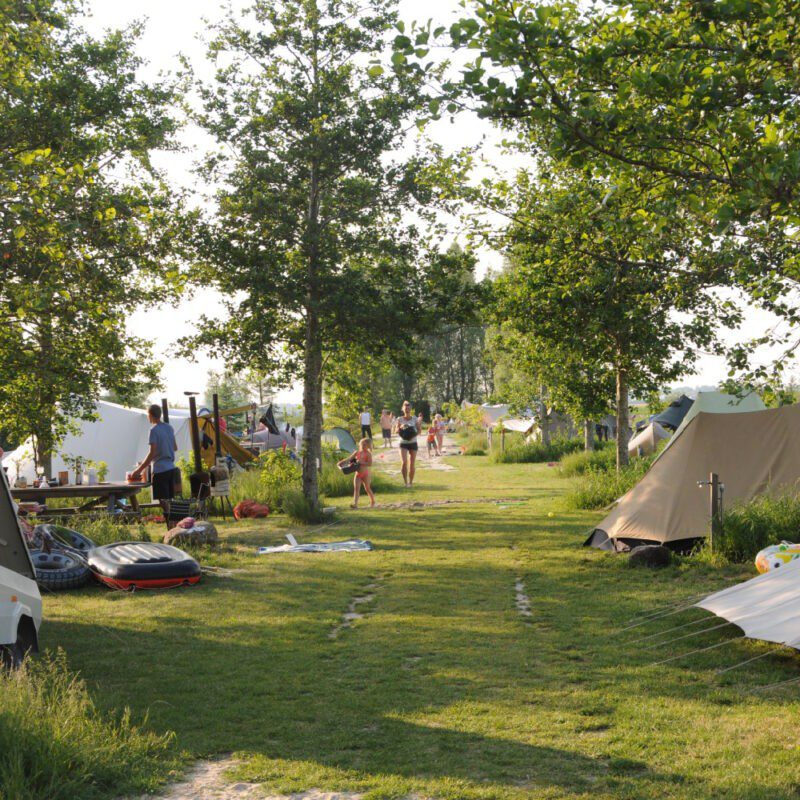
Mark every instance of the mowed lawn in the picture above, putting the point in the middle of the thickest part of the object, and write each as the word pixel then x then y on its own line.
pixel 443 689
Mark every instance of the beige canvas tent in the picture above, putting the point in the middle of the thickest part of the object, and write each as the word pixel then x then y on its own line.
pixel 647 440
pixel 752 452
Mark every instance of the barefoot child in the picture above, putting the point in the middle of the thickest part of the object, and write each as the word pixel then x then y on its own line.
pixel 363 456
pixel 431 441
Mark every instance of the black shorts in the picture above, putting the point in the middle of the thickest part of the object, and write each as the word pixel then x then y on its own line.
pixel 387 433
pixel 164 485
pixel 366 431
pixel 412 446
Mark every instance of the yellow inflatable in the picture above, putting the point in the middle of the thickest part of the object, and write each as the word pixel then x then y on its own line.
pixel 776 556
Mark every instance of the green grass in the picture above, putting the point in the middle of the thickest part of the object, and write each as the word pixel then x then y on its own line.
pixel 600 486
pixel 443 690
pixel 750 527
pixel 55 744
pixel 602 458
pixel 520 452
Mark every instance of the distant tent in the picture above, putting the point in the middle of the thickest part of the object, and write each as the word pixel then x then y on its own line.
pixel 492 414
pixel 646 442
pixel 752 452
pixel 672 416
pixel 518 425
pixel 341 438
pixel 721 403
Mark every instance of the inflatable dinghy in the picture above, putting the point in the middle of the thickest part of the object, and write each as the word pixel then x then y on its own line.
pixel 142 565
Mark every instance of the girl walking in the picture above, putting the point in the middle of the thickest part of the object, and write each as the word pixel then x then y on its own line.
pixel 362 477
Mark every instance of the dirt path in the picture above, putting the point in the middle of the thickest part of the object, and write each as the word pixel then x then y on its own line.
pixel 389 458
pixel 206 781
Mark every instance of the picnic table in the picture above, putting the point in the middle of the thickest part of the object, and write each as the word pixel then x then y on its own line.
pixel 108 494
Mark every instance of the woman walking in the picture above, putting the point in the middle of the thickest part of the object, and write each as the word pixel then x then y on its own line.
pixel 408 428
pixel 439 422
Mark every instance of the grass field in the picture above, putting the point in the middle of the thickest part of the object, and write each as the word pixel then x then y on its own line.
pixel 443 689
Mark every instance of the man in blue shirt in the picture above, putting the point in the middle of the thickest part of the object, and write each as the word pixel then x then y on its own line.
pixel 162 457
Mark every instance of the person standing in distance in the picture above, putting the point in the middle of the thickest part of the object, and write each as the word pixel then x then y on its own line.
pixel 366 424
pixel 408 429
pixel 387 420
pixel 162 457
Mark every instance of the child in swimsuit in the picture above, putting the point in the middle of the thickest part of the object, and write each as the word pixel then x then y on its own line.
pixel 363 457
pixel 431 441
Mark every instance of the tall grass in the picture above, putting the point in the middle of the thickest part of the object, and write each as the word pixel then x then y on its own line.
pixel 55 744
pixel 298 508
pixel 520 452
pixel 602 459
pixel 600 487
pixel 334 483
pixel 475 444
pixel 750 527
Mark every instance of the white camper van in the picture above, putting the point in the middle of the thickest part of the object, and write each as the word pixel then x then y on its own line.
pixel 20 602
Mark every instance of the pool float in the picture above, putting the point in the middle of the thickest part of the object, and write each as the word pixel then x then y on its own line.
pixel 142 565
pixel 777 555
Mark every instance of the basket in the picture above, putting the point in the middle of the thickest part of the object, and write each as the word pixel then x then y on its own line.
pixel 349 468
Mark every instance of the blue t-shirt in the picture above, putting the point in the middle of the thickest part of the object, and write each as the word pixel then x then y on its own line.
pixel 163 437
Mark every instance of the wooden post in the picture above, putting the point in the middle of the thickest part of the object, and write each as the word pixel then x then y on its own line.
pixel 502 440
pixel 716 518
pixel 217 429
pixel 164 410
pixel 198 461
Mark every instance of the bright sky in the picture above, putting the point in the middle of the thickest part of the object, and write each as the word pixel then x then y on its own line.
pixel 172 27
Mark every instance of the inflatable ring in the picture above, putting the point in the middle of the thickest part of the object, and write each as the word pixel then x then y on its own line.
pixel 777 555
pixel 73 539
pixel 142 565
pixel 57 571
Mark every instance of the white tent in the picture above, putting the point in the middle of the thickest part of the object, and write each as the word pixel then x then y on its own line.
pixel 118 436
pixel 492 414
pixel 766 607
pixel 520 425
pixel 647 440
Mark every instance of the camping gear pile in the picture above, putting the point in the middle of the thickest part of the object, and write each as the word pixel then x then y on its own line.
pixel 65 559
pixel 250 509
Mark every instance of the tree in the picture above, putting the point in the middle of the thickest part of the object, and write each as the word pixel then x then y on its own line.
pixel 597 287
pixel 309 240
pixel 87 229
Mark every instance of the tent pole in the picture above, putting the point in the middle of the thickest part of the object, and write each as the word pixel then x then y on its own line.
pixel 217 429
pixel 198 461
pixel 164 410
pixel 714 484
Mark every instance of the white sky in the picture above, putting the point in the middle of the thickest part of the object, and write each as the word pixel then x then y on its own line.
pixel 172 27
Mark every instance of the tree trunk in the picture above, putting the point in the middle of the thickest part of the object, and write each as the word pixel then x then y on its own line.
pixel 312 409
pixel 588 435
pixel 623 418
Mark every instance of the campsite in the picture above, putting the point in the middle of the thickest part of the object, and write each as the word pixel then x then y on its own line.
pixel 399 400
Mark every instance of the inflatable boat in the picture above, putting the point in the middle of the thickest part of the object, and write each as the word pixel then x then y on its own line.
pixel 142 565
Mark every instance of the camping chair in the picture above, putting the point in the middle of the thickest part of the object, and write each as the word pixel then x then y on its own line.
pixel 195 506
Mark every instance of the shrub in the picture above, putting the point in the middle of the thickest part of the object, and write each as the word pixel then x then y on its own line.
pixel 54 743
pixel 599 487
pixel 299 509
pixel 475 444
pixel 267 482
pixel 535 452
pixel 750 527
pixel 602 459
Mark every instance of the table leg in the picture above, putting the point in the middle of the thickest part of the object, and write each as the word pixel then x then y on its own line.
pixel 112 503
pixel 134 499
